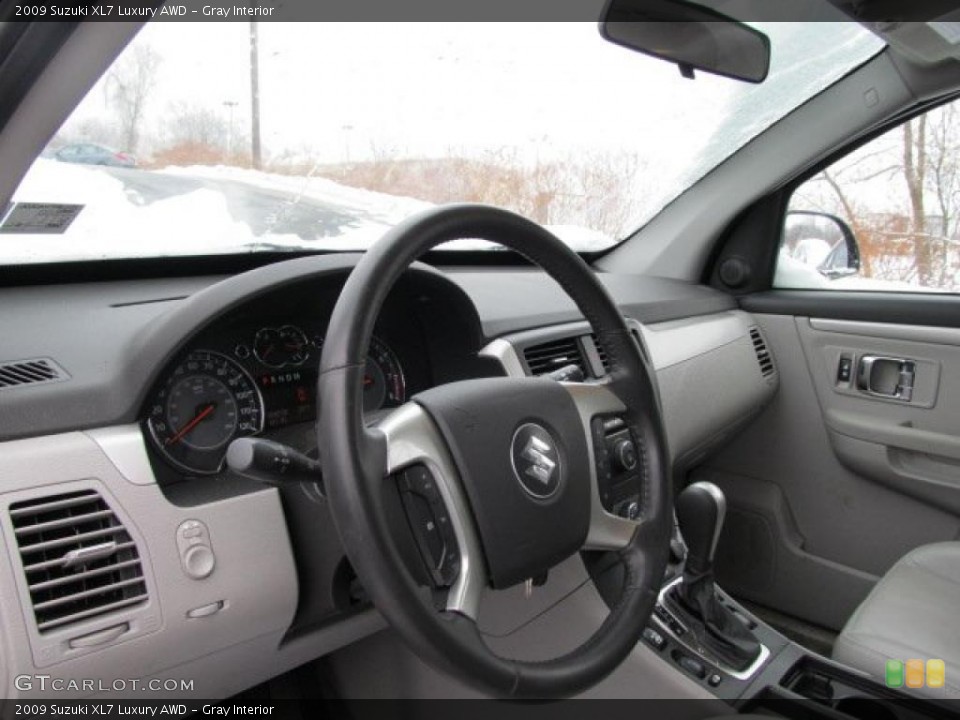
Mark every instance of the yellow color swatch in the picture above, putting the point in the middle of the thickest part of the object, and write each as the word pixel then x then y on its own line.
pixel 936 673
pixel 914 673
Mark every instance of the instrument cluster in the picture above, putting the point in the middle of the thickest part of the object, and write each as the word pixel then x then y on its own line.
pixel 254 382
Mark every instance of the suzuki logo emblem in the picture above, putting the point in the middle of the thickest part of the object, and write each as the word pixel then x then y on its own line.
pixel 542 466
pixel 536 460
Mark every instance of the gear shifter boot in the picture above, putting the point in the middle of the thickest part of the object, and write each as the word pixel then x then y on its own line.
pixel 716 628
pixel 701 508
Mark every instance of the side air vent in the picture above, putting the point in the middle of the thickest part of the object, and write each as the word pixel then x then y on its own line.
pixel 763 354
pixel 78 559
pixel 601 353
pixel 553 355
pixel 27 372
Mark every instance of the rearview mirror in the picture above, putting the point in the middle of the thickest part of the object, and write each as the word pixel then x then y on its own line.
pixel 692 36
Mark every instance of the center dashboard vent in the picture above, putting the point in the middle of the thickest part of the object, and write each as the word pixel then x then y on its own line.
pixel 549 356
pixel 764 358
pixel 78 559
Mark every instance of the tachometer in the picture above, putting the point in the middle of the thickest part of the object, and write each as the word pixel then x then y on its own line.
pixel 207 401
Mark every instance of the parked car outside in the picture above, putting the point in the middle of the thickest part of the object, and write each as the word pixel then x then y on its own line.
pixel 90 154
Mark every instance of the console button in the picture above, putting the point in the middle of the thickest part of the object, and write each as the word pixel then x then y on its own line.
pixel 714 680
pixel 694 667
pixel 655 639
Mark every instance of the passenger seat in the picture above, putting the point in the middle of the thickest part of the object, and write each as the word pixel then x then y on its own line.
pixel 912 613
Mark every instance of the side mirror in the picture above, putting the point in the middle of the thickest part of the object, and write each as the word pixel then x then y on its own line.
pixel 690 35
pixel 821 241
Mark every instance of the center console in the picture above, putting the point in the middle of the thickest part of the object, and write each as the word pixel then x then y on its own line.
pixel 770 674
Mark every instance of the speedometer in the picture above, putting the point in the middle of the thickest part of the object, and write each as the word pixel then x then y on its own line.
pixel 206 402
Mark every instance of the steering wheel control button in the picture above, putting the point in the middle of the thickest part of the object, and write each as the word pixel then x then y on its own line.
pixel 625 453
pixel 536 461
pixel 430 523
pixel 617 460
pixel 421 482
pixel 196 552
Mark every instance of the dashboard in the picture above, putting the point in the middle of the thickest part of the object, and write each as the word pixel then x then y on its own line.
pixel 228 580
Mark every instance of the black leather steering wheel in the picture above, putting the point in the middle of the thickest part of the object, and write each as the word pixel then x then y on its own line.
pixel 472 437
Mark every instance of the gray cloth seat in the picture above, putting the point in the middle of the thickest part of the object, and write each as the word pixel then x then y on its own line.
pixel 912 613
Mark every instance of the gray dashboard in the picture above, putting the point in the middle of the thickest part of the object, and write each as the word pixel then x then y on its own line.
pixel 270 586
pixel 113 338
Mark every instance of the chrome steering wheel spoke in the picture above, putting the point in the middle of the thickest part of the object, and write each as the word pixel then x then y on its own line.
pixel 607 531
pixel 414 439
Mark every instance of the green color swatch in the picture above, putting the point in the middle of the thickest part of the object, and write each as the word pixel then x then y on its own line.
pixel 894 673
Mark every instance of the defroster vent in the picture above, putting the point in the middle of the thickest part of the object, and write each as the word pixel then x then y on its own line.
pixel 78 559
pixel 29 372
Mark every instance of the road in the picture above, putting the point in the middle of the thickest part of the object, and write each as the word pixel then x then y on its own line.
pixel 267 212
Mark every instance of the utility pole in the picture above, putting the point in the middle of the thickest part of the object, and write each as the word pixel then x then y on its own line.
pixel 231 104
pixel 254 97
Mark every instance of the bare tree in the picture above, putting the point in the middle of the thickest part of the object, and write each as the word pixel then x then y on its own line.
pixel 199 125
pixel 128 85
pixel 943 180
pixel 915 161
pixel 912 236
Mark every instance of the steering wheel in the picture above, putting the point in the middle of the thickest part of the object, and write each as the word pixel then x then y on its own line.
pixel 505 464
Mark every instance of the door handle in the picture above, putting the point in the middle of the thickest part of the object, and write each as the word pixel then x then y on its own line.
pixel 890 378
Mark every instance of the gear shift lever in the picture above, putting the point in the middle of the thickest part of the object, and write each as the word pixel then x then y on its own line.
pixel 700 509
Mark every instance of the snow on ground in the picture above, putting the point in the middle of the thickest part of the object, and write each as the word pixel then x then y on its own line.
pixel 114 223
pixel 386 209
pixel 117 222
pixel 389 209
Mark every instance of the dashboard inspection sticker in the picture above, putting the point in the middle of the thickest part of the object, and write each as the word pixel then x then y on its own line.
pixel 40 218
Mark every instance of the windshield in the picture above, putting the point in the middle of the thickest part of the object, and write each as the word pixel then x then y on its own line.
pixel 208 138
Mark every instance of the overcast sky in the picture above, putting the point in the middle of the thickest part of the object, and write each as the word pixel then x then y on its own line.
pixel 427 89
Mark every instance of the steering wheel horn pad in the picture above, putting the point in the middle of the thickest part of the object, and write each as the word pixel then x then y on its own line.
pixel 479 439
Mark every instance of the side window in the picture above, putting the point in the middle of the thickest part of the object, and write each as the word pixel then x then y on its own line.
pixel 885 217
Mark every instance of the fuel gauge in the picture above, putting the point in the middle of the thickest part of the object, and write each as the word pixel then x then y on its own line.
pixel 268 348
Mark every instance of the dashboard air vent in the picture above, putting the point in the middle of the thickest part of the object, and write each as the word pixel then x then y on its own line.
pixel 78 559
pixel 27 372
pixel 601 353
pixel 764 358
pixel 547 357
